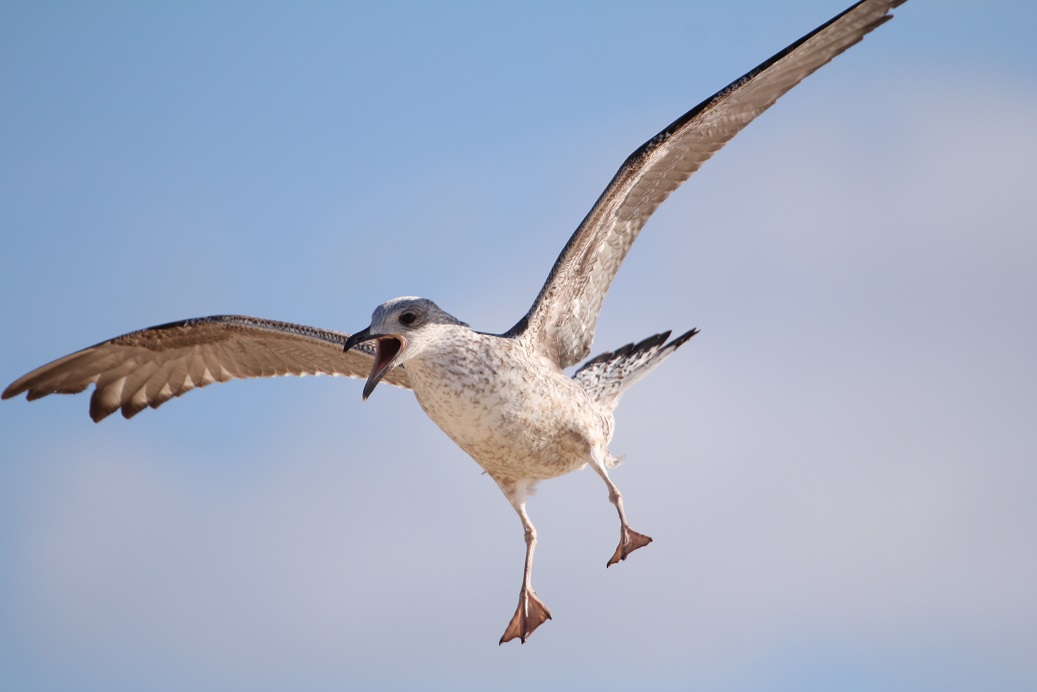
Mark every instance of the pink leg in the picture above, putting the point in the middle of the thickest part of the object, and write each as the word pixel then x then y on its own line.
pixel 531 611
pixel 629 540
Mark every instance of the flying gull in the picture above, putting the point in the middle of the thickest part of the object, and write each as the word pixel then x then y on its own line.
pixel 503 398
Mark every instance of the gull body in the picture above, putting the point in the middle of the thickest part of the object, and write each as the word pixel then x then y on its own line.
pixel 512 409
pixel 505 399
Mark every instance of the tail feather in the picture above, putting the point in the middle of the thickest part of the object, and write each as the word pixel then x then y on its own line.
pixel 607 376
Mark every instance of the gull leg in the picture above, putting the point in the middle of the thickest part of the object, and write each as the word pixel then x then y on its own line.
pixel 531 611
pixel 629 540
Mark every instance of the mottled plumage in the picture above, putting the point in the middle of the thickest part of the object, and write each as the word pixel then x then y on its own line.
pixel 504 399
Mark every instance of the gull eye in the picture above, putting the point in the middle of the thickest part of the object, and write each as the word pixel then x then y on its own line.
pixel 408 318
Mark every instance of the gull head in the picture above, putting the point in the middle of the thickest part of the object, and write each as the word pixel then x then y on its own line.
pixel 401 328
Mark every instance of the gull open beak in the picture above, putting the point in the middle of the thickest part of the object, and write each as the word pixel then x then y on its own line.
pixel 388 348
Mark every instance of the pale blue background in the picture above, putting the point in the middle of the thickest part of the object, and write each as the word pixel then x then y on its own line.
pixel 839 472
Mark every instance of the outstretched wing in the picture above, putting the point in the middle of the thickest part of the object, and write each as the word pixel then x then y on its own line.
pixel 151 366
pixel 562 319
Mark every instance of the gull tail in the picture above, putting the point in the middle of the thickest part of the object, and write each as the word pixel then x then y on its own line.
pixel 607 376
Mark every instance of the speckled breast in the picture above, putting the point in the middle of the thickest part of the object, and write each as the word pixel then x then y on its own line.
pixel 516 414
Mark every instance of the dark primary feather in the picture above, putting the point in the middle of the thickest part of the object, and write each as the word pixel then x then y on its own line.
pixel 151 366
pixel 562 319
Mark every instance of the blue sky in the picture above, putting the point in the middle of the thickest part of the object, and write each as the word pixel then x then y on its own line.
pixel 838 471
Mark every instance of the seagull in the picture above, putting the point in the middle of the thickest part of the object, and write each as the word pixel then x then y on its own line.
pixel 505 399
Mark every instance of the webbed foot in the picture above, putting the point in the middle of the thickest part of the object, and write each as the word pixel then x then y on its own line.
pixel 530 614
pixel 629 542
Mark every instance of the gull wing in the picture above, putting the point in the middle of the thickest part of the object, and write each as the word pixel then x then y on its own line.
pixel 562 319
pixel 151 366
